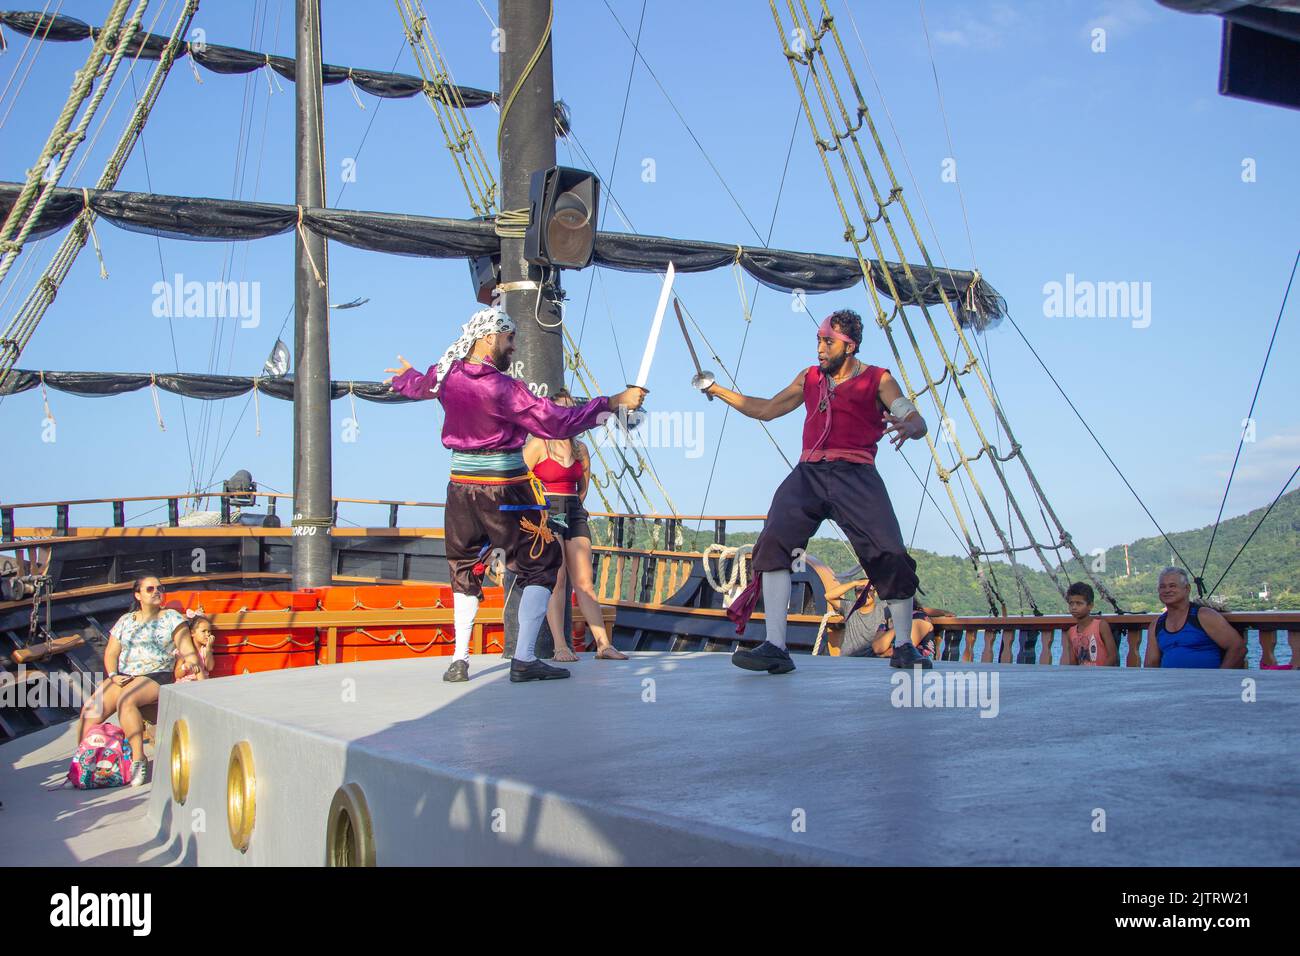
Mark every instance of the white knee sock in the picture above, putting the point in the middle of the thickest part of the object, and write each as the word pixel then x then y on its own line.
pixel 901 612
pixel 776 604
pixel 532 611
pixel 466 607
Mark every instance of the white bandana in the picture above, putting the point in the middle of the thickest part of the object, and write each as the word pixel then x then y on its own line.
pixel 482 323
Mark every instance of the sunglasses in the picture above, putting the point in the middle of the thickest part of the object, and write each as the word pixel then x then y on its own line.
pixel 153 587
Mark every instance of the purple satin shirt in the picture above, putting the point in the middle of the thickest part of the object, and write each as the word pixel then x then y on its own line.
pixel 485 408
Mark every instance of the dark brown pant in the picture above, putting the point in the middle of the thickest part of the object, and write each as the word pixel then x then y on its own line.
pixel 854 496
pixel 473 519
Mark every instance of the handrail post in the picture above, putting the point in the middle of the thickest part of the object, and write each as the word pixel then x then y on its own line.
pixel 618 532
pixel 670 534
pixel 6 524
pixel 173 512
pixel 392 516
pixel 119 514
pixel 720 531
pixel 61 521
pixel 225 510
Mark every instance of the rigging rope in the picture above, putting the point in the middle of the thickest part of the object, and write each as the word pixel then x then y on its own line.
pixel 1250 415
pixel 1258 525
pixel 445 99
pixel 824 81
pixel 20 330
pixel 63 143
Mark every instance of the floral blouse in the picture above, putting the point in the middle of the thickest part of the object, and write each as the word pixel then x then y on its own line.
pixel 147 646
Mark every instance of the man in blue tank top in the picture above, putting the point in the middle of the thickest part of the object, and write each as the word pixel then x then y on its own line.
pixel 1190 634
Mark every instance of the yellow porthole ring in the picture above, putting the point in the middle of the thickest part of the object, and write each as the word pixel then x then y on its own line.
pixel 350 837
pixel 241 795
pixel 180 761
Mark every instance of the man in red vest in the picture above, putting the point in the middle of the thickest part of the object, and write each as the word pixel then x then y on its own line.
pixel 849 406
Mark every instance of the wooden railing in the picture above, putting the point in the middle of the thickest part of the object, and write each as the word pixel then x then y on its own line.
pixel 62 526
pixel 1037 640
pixel 649 577
pixel 619 524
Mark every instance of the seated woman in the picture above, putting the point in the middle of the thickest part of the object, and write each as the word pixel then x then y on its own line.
pixel 564 469
pixel 1188 634
pixel 869 632
pixel 201 635
pixel 860 628
pixel 142 649
pixel 924 636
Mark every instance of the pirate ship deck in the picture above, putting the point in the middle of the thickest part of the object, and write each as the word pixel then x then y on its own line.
pixel 648 791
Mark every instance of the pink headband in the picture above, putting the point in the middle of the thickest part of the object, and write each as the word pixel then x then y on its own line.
pixel 826 331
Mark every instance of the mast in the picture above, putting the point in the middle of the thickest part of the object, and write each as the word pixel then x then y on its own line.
pixel 312 486
pixel 527 144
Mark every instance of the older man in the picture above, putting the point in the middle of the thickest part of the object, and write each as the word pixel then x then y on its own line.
pixel 1188 634
pixel 491 498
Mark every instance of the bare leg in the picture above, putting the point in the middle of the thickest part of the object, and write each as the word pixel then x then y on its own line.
pixel 555 619
pixel 139 693
pixel 100 706
pixel 578 560
pixel 1134 645
pixel 1267 644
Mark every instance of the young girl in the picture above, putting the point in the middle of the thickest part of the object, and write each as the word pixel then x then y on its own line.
pixel 201 635
pixel 1089 641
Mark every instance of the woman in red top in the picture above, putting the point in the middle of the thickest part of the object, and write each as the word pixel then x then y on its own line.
pixel 564 469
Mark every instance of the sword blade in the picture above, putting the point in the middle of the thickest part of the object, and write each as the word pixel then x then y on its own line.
pixel 677 307
pixel 648 356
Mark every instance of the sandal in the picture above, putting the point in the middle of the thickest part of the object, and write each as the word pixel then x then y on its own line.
pixel 610 653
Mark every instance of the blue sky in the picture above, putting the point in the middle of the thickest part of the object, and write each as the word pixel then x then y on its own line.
pixel 1115 166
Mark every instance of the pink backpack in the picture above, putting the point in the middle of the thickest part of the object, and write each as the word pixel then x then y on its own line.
pixel 103 759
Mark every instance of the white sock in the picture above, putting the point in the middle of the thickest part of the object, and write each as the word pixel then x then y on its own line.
pixel 532 611
pixel 776 604
pixel 901 612
pixel 466 607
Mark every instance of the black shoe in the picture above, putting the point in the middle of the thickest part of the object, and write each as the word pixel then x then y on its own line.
pixel 457 672
pixel 906 655
pixel 766 657
pixel 535 670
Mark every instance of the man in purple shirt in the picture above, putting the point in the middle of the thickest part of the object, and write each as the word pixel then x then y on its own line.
pixel 492 499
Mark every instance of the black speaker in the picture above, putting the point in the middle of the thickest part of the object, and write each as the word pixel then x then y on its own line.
pixel 563 206
pixel 485 273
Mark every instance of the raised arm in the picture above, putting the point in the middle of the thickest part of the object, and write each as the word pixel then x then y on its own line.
pixel 763 409
pixel 545 419
pixel 405 380
pixel 839 590
pixel 904 420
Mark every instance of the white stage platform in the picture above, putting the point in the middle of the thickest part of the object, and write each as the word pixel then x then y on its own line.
pixel 684 759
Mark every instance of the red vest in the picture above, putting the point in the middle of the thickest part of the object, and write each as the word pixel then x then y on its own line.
pixel 852 423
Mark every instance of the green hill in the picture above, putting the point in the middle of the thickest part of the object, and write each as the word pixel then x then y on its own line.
pixel 1272 558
